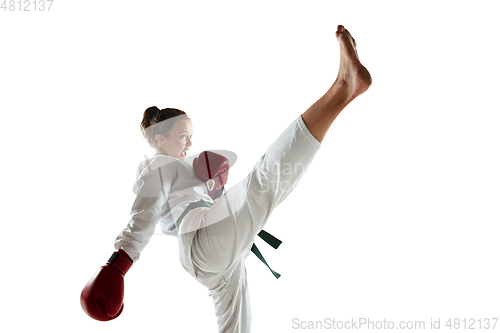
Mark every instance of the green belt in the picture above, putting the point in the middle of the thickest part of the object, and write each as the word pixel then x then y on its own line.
pixel 267 237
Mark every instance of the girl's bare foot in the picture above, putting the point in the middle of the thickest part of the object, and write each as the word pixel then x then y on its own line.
pixel 353 80
pixel 353 77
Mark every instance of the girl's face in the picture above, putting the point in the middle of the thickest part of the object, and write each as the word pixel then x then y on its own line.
pixel 178 141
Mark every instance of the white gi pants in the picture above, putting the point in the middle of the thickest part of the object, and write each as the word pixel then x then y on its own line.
pixel 215 253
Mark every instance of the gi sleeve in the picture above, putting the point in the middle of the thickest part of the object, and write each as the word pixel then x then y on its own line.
pixel 152 189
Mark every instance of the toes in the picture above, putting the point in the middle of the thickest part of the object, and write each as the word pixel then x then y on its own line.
pixel 341 29
pixel 350 36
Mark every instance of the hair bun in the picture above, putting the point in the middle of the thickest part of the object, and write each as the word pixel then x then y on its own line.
pixel 152 111
pixel 149 115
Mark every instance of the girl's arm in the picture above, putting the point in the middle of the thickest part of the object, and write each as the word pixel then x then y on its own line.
pixel 152 191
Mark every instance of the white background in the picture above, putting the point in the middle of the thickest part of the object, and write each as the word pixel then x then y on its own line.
pixel 397 218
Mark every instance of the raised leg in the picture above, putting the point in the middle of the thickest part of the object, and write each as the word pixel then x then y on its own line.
pixel 353 79
pixel 227 230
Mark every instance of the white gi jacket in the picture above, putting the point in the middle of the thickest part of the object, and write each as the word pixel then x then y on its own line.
pixel 165 186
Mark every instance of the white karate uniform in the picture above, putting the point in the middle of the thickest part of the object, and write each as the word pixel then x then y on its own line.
pixel 215 241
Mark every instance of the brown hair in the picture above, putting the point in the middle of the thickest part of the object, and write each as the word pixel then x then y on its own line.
pixel 154 116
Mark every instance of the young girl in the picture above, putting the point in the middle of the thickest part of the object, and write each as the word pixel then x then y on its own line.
pixel 215 241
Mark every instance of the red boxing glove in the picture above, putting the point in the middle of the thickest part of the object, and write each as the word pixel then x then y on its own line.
pixel 102 297
pixel 211 168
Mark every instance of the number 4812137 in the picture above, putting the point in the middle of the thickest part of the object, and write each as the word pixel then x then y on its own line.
pixel 26 5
